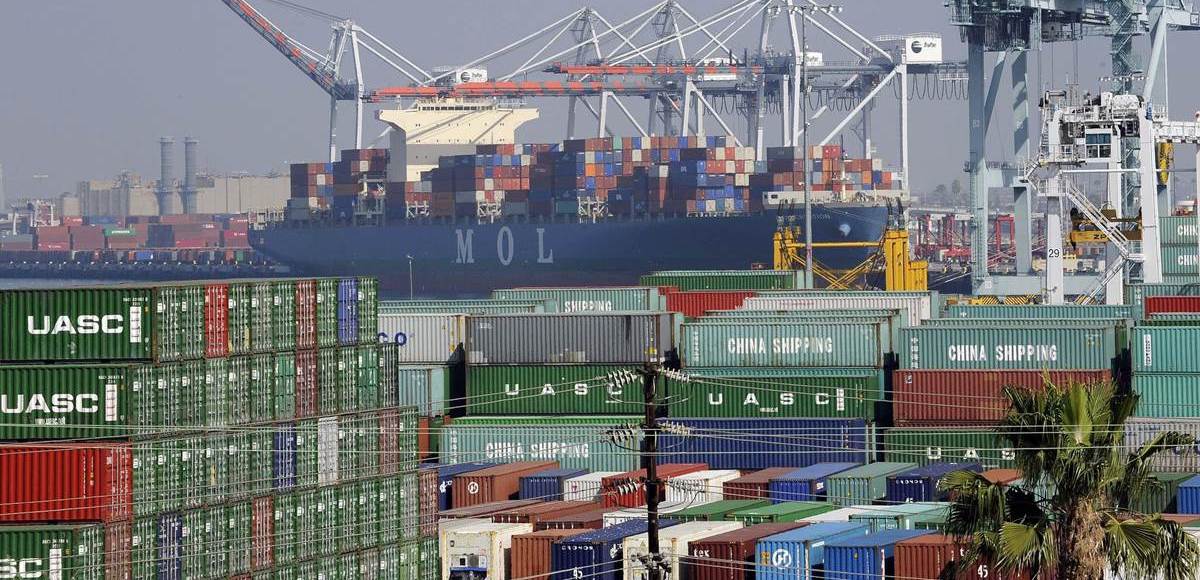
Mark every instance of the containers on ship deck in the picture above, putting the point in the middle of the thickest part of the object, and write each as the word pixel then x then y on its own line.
pixel 732 392
pixel 495 483
pixel 969 397
pixel 689 280
pixel 863 484
pixel 800 554
pixel 867 558
pixel 674 543
pixel 805 484
pixel 575 442
pixel 760 443
pixel 596 554
pixel 718 557
pixel 547 485
pixel 921 484
pixel 601 299
pixel 611 337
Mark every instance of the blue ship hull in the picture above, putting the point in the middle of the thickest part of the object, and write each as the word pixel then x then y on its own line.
pixel 461 259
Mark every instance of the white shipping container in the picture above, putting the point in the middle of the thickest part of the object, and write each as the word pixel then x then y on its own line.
pixel 700 486
pixel 424 338
pixel 480 546
pixel 917 306
pixel 447 526
pixel 327 450
pixel 585 487
pixel 673 543
pixel 838 515
pixel 665 508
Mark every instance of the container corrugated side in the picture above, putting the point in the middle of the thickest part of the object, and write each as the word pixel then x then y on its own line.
pixel 551 390
pixel 1084 345
pixel 603 299
pixel 66 482
pixel 952 445
pixel 575 442
pixel 865 484
pixel 865 558
pixel 696 303
pixel 1165 349
pixel 617 337
pixel 1166 394
pixel 934 555
pixel 531 552
pixel 674 544
pixel 1186 459
pixel 464 306
pixel 1040 311
pixel 917 306
pixel 70 402
pixel 735 392
pixel 57 551
pixel 725 279
pixel 762 443
pixel 799 554
pixel 424 338
pixel 783 344
pixel 77 324
pixel 962 397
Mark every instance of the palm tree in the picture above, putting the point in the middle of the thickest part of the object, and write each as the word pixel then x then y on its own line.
pixel 1075 511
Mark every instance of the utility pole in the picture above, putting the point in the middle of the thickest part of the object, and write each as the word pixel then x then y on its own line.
pixel 654 563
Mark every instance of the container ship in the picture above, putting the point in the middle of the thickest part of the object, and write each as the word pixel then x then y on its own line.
pixel 587 211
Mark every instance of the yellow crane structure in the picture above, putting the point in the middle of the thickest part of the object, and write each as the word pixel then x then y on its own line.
pixel 901 272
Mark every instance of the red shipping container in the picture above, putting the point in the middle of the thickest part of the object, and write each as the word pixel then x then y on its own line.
pixel 753 485
pixel 1002 475
pixel 696 303
pixel 496 483
pixel 936 556
pixel 547 510
pixel 71 482
pixel 306 384
pixel 946 397
pixel 484 510
pixel 216 320
pixel 531 553
pixel 389 430
pixel 427 501
pixel 306 314
pixel 713 558
pixel 628 489
pixel 118 546
pixel 73 220
pixel 262 533
pixel 1165 304
pixel 592 519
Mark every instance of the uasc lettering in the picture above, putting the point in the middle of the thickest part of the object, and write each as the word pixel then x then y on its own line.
pixel 57 403
pixel 21 568
pixel 82 324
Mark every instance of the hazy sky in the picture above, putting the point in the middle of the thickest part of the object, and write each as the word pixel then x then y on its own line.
pixel 92 85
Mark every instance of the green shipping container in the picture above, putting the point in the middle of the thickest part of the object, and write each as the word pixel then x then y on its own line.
pixel 329 380
pixel 63 552
pixel 387 508
pixel 575 442
pixel 725 279
pixel 736 392
pixel 424 387
pixel 1162 499
pixel 367 376
pixel 863 485
pixel 1165 349
pixel 551 390
pixel 784 344
pixel 368 310
pixel 904 516
pixel 608 299
pixel 431 563
pixel 239 408
pixel 285 528
pixel 327 325
pixel 717 511
pixel 1177 230
pixel 144 548
pixel 1180 261
pixel 261 369
pixel 241 318
pixel 788 511
pixel 482 307
pixel 947 445
pixel 347 379
pixel 216 391
pixel 409 498
pixel 77 401
pixel 285 385
pixel 1082 345
pixel 78 324
pixel 1136 294
pixel 178 322
pixel 1040 311
pixel 262 327
pixel 410 560
pixel 1166 394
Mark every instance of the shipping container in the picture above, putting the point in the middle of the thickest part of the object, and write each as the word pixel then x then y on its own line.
pixel 480 549
pixel 804 343
pixel 864 484
pixel 446 474
pixel 596 554
pixel 696 303
pixel 424 387
pixel 66 482
pixel 348 299
pixel 799 554
pixel 327 312
pixel 69 552
pixel 778 392
pixel 804 484
pixel 1171 305
pixel 94 323
pixel 761 443
pixel 902 516
pixel 551 390
pixel 917 306
pixel 495 483
pixel 81 401
pixel 1136 294
pixel 1189 495
pixel 531 553
pixel 837 515
pixel 701 486
pixel 867 558
pixel 1040 311
pixel 535 513
pixel 753 485
pixel 939 556
pixel 921 484
pixel 790 511
pixel 674 543
pixel 1161 496
pixel 688 280
pixel 1165 349
pixel 716 511
pixel 424 338
pixel 620 515
pixel 1081 345
pixel 585 487
pixel 627 489
pixel 970 397
pixel 716 557
pixel 575 442
pixel 592 519
pixel 606 299
pixel 953 445
pixel 306 314
pixel 475 307
pixel 368 310
pixel 547 485
pixel 615 338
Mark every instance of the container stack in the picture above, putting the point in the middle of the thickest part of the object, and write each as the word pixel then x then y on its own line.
pixel 1179 262
pixel 1164 375
pixel 204 430
pixel 829 169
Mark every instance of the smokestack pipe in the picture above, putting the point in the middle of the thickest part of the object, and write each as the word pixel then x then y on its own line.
pixel 187 193
pixel 166 181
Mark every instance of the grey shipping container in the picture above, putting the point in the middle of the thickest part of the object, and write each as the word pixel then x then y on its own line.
pixel 424 338
pixel 603 299
pixel 617 337
pixel 1186 459
pixel 575 442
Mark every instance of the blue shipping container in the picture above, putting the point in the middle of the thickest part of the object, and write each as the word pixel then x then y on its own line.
pixel 865 558
pixel 806 483
pixel 598 554
pixel 763 443
pixel 170 548
pixel 348 311
pixel 793 555
pixel 446 475
pixel 547 485
pixel 921 484
pixel 283 462
pixel 1189 496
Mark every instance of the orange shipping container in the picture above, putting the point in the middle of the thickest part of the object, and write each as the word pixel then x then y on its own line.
pixel 495 483
pixel 531 553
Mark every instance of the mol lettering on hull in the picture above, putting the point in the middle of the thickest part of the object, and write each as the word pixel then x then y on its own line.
pixel 506 246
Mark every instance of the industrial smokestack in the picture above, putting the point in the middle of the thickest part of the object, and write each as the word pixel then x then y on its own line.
pixel 166 181
pixel 187 193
